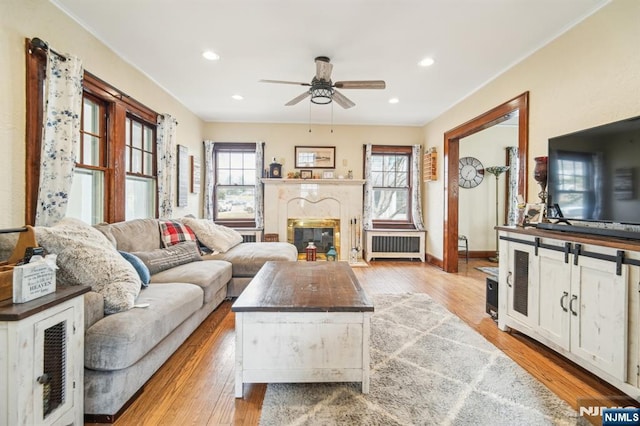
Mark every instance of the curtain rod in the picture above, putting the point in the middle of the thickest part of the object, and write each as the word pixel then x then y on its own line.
pixel 37 43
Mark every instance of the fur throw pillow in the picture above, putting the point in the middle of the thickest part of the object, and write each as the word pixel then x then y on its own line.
pixel 86 257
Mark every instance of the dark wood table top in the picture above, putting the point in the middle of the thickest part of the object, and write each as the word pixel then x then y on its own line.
pixel 304 287
pixel 10 311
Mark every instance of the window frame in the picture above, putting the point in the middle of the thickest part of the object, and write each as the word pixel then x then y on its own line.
pixel 403 150
pixel 117 106
pixel 231 147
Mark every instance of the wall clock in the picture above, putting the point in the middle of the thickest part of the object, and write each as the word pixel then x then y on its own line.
pixel 471 172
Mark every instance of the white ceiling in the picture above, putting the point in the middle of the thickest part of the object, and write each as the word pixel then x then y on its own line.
pixel 471 41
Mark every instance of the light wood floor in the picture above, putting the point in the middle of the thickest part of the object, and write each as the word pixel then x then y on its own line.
pixel 196 385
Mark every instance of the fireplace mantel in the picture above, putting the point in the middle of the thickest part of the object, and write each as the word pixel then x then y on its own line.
pixel 270 181
pixel 314 198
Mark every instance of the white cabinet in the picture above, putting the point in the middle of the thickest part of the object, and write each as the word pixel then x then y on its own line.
pixel 572 296
pixel 42 360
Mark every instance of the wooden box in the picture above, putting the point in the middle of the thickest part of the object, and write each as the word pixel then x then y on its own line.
pixel 26 239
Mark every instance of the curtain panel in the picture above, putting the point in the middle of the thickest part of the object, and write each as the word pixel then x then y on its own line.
pixel 60 136
pixel 367 219
pixel 416 197
pixel 209 180
pixel 259 203
pixel 166 149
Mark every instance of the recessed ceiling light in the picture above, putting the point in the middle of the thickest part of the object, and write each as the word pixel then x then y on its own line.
pixel 210 55
pixel 426 62
pixel 394 100
pixel 237 97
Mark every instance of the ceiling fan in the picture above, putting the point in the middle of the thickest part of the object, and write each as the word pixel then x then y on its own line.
pixel 322 90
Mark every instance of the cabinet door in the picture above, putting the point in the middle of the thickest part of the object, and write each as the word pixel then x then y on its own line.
pixel 522 279
pixel 598 309
pixel 554 296
pixel 53 365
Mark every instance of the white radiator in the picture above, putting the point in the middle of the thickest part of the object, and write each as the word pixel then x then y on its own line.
pixel 395 244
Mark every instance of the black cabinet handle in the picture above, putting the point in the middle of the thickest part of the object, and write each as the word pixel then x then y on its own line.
pixel 509 283
pixel 562 300
pixel 573 298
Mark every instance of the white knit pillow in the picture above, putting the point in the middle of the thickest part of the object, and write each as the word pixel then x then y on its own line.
pixel 216 237
pixel 86 257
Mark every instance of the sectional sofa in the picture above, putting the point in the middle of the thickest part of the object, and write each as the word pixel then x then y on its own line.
pixel 131 327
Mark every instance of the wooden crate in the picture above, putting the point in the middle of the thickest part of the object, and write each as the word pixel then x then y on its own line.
pixel 26 239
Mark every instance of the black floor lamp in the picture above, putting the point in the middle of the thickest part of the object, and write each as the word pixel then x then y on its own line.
pixel 496 171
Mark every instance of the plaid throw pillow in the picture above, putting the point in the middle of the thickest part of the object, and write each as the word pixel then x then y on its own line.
pixel 173 232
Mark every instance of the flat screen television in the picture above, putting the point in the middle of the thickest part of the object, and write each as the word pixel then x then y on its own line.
pixel 594 175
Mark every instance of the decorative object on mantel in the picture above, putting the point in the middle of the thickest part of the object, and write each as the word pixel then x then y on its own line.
pixel 496 171
pixel 328 174
pixel 275 169
pixel 430 165
pixel 306 174
pixel 332 254
pixel 311 251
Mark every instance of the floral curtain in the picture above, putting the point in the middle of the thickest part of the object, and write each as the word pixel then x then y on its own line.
pixel 367 219
pixel 259 192
pixel 209 179
pixel 166 148
pixel 60 136
pixel 416 197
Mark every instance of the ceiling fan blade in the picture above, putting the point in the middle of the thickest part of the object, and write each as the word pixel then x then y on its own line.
pixel 284 82
pixel 323 68
pixel 342 100
pixel 363 84
pixel 297 99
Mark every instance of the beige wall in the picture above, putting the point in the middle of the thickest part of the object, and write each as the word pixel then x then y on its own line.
pixel 20 19
pixel 280 140
pixel 587 77
pixel 477 206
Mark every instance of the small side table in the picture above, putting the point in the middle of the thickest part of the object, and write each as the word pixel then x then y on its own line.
pixel 42 359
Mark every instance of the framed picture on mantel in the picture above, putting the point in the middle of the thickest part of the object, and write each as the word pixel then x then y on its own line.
pixel 315 157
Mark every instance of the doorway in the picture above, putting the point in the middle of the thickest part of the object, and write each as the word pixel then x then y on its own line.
pixel 452 157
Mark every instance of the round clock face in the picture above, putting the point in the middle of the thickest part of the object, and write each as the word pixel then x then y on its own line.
pixel 471 172
pixel 276 172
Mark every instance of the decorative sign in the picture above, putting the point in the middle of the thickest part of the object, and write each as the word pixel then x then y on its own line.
pixel 430 165
pixel 183 175
pixel 195 175
pixel 33 280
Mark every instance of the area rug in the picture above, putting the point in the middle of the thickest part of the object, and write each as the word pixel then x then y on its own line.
pixel 427 368
pixel 491 270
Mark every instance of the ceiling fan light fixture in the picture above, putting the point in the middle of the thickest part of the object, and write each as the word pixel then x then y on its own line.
pixel 321 95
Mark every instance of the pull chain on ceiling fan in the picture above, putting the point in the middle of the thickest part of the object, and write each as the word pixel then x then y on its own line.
pixel 323 91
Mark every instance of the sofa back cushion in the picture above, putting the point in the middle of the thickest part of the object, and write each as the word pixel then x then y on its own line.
pixel 133 235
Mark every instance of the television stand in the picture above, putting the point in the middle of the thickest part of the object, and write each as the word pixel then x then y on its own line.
pixel 591 230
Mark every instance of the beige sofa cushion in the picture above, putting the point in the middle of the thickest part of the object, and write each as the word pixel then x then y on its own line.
pixel 248 258
pixel 210 275
pixel 133 235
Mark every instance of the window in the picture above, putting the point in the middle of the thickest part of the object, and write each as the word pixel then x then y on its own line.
pixel 115 175
pixel 86 200
pixel 235 189
pixel 140 158
pixel 391 182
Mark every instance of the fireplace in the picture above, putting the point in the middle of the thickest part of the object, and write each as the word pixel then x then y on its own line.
pixel 323 232
pixel 326 206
